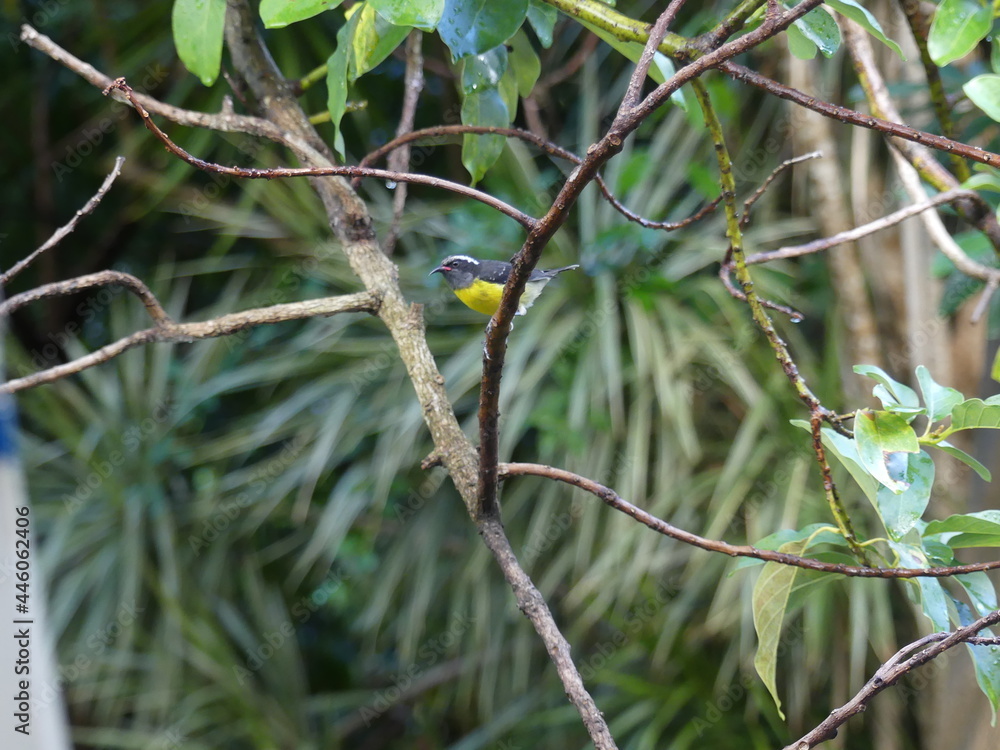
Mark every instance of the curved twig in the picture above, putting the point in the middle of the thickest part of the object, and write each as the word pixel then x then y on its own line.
pixel 252 173
pixel 101 278
pixel 167 331
pixel 552 149
pixel 612 499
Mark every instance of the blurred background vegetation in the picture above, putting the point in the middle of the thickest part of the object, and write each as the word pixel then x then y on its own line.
pixel 241 548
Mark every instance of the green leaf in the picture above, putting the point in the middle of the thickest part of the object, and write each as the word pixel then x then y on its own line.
pixel 979 529
pixel 965 458
pixel 480 152
pixel 484 70
pixel 508 92
pixel 984 91
pixel 883 440
pixel 976 413
pixel 783 536
pixel 470 27
pixel 958 26
pixel 820 29
pixel 423 14
pixel 985 658
pixel 523 59
pixel 373 39
pixel 860 15
pixel 277 14
pixel 542 18
pixel 770 599
pixel 197 27
pixel 933 600
pixel 799 43
pixel 938 399
pixel 901 511
pixel 336 81
pixel 986 178
pixel 995 369
pixel 893 392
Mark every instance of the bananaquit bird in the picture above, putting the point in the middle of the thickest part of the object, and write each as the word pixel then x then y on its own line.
pixel 479 283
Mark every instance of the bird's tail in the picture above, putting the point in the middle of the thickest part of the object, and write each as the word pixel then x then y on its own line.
pixel 557 271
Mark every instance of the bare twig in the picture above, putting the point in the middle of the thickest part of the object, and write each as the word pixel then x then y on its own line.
pixel 825 243
pixel 440 132
pixel 612 499
pixel 890 673
pixel 748 203
pixel 252 173
pixel 656 34
pixel 400 160
pixel 101 278
pixel 64 230
pixel 167 331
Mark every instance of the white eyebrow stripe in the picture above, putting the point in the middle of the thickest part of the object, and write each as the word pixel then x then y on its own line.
pixel 462 257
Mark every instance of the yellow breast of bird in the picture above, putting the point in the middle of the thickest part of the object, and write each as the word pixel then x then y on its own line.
pixel 481 296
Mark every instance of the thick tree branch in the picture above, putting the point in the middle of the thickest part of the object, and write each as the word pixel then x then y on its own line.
pixel 612 499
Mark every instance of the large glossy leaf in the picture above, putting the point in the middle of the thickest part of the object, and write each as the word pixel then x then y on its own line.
pixel 984 91
pixel 978 529
pixel 525 63
pixel 985 658
pixel 421 14
pixel 337 66
pixel 373 39
pixel 279 13
pixel 976 413
pixel 900 511
pixel 819 28
pixel 197 27
pixel 860 15
pixel 884 439
pixel 933 598
pixel 542 18
pixel 480 152
pixel 484 70
pixel 770 600
pixel 892 393
pixel 965 458
pixel 958 26
pixel 470 27
pixel 938 399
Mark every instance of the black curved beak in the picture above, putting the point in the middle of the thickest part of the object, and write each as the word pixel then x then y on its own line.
pixel 439 269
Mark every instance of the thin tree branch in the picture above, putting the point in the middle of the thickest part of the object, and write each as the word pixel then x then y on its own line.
pixel 889 220
pixel 101 278
pixel 399 160
pixel 226 121
pixel 749 202
pixel 975 210
pixel 225 325
pixel 889 674
pixel 253 173
pixel 633 93
pixel 444 131
pixel 64 230
pixel 612 499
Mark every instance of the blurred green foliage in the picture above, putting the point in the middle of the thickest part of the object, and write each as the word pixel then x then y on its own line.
pixel 241 547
